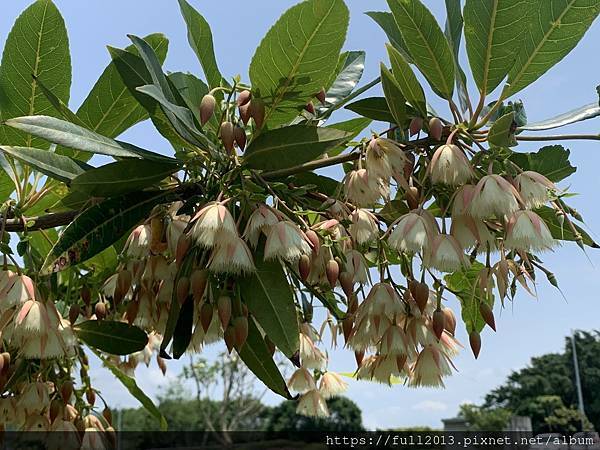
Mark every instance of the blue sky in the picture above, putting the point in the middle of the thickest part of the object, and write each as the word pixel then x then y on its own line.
pixel 527 327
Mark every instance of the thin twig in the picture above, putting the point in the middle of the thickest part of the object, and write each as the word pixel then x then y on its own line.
pixel 561 137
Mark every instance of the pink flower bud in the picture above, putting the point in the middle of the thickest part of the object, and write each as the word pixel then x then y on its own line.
pixel 207 108
pixel 313 238
pixel 475 342
pixel 436 128
pixel 257 111
pixel 439 323
pixel 100 310
pixel 229 337
pixel 321 96
pixel 245 113
pixel 304 267
pixel 488 315
pixel 206 315
pixel 241 331
pixel 240 137
pixel 416 125
pixel 226 133
pixel 347 283
pixel 333 272
pixel 224 309
pixel 310 108
pixel 244 97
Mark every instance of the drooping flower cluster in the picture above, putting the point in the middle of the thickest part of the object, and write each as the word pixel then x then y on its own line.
pixel 313 366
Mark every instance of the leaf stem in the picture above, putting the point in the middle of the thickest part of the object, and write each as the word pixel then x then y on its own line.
pixel 333 161
pixel 325 114
pixel 478 110
pixel 312 165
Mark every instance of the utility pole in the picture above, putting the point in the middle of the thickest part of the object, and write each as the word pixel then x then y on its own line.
pixel 578 380
pixel 119 427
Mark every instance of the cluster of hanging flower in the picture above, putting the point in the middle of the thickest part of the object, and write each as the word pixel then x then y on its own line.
pixel 488 212
pixel 29 323
pixel 398 333
pixel 32 329
pixel 146 282
pixel 312 380
pixel 43 406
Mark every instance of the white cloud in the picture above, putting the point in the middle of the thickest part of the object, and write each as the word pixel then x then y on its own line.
pixel 430 406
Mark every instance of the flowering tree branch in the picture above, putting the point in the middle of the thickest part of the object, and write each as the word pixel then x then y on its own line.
pixel 41 222
pixel 561 137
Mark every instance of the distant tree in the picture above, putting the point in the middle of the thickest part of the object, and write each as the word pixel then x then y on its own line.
pixel 345 416
pixel 226 394
pixel 546 388
pixel 223 398
pixel 556 416
pixel 484 419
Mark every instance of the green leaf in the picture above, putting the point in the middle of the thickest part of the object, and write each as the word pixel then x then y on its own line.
pixel 160 90
pixel 99 227
pixel 453 32
pixel 325 184
pixel 393 96
pixel 556 27
pixel 351 68
pixel 465 285
pixel 40 243
pixel 551 161
pixel 37 48
pixel 426 44
pixel 154 66
pixel 290 146
pixel 104 262
pixel 201 40
pixel 59 167
pixel 6 185
pixel 563 232
pixel 183 114
pixel 407 81
pixel 134 74
pixel 121 177
pixel 134 390
pixel 184 327
pixel 353 126
pixel 191 90
pixel 110 108
pixel 73 136
pixel 502 132
pixel 493 31
pixel 375 108
pixel 60 106
pixel 393 209
pixel 258 359
pixel 298 57
pixel 270 300
pixel 585 112
pixel 387 22
pixel 109 336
